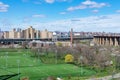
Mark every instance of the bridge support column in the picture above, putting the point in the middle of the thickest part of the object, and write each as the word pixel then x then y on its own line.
pixel 119 41
pixel 111 42
pixel 106 42
pixel 103 41
pixel 116 42
pixel 96 40
pixel 100 41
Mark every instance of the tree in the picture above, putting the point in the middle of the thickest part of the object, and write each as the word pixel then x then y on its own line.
pixel 25 44
pixel 117 61
pixel 59 44
pixel 101 59
pixel 34 44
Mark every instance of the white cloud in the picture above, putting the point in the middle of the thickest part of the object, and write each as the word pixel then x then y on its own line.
pixel 87 4
pixel 26 20
pixel 76 8
pixel 63 13
pixel 47 1
pixel 50 1
pixel 93 4
pixel 108 23
pixel 29 19
pixel 118 11
pixel 6 24
pixel 39 16
pixel 95 11
pixel 3 7
pixel 100 5
pixel 64 0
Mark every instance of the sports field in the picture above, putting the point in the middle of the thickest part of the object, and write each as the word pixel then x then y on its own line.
pixel 20 61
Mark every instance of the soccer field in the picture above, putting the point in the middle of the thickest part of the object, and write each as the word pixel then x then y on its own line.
pixel 20 61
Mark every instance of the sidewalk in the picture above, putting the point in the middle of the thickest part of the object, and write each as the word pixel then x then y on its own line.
pixel 107 77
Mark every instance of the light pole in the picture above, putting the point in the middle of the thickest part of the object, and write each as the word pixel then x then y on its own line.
pixel 6 58
pixel 56 55
pixel 38 54
pixel 81 58
pixel 18 62
pixel 113 64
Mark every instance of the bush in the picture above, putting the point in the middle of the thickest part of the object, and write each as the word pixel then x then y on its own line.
pixel 69 58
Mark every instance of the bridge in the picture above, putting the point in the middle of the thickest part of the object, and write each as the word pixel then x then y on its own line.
pixel 45 39
pixel 113 40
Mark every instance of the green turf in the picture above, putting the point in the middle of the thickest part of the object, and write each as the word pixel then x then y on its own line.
pixel 34 68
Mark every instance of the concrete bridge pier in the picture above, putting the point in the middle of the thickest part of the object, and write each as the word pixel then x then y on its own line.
pixel 111 42
pixel 116 42
pixel 107 40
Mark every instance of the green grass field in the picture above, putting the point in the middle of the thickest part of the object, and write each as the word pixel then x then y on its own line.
pixel 19 60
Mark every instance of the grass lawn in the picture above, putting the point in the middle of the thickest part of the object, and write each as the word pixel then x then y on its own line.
pixel 34 68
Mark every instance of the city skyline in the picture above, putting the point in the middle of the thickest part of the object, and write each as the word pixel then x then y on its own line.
pixel 62 15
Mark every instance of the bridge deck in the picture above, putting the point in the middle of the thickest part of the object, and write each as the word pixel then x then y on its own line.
pixel 46 39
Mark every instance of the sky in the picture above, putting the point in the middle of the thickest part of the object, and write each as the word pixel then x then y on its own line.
pixel 61 15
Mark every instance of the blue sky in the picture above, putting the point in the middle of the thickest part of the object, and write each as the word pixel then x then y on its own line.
pixel 61 15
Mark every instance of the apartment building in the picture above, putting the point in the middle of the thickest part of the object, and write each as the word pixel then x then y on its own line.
pixel 46 34
pixel 6 35
pixel 29 33
pixel 14 34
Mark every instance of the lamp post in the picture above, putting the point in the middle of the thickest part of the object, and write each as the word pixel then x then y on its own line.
pixel 81 58
pixel 18 62
pixel 38 55
pixel 113 64
pixel 6 59
pixel 56 55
